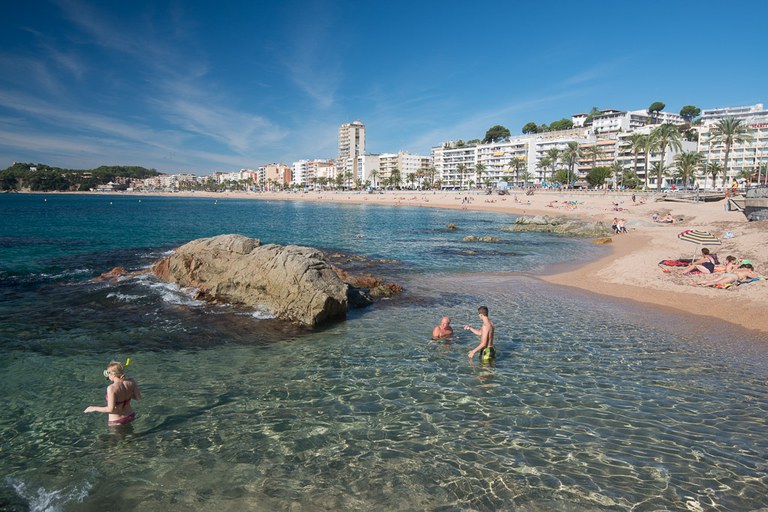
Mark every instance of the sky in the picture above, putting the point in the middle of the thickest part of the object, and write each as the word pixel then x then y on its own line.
pixel 199 86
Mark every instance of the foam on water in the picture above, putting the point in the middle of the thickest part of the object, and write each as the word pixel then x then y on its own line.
pixel 43 500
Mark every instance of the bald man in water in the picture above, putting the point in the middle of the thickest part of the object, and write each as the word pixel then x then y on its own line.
pixel 444 331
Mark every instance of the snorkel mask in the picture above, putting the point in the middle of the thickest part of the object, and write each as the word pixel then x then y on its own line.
pixel 127 362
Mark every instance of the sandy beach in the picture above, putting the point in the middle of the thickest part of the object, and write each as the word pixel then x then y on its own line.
pixel 630 270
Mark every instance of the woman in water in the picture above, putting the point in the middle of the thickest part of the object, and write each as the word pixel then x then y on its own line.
pixel 119 396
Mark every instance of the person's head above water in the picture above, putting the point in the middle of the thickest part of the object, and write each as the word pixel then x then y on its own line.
pixel 482 310
pixel 445 322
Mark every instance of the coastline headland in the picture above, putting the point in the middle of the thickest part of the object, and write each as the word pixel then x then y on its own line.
pixel 630 270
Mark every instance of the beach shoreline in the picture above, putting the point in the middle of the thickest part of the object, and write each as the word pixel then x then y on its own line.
pixel 630 269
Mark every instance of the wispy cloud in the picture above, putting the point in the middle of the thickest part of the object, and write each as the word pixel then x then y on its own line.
pixel 309 57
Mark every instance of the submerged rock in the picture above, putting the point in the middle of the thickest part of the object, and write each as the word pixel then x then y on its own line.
pixel 561 225
pixel 485 239
pixel 296 283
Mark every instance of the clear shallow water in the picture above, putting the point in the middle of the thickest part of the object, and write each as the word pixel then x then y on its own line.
pixel 591 405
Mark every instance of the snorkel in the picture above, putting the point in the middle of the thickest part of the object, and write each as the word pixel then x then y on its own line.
pixel 127 362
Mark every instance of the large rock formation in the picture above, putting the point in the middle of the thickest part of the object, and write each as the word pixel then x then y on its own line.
pixel 295 282
pixel 562 225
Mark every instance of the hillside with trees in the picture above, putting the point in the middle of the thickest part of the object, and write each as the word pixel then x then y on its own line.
pixel 44 178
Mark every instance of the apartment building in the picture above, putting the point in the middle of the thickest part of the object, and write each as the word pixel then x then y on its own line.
pixel 747 160
pixel 274 176
pixel 410 167
pixel 368 168
pixel 351 146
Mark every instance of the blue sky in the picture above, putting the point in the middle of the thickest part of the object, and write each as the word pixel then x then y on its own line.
pixel 218 86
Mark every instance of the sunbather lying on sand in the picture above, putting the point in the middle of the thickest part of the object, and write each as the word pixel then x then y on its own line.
pixel 742 273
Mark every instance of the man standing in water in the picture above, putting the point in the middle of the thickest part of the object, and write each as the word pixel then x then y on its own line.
pixel 487 352
pixel 444 331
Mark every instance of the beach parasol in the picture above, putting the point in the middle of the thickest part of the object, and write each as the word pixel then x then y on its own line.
pixel 699 238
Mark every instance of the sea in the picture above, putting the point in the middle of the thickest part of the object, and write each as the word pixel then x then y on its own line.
pixel 592 404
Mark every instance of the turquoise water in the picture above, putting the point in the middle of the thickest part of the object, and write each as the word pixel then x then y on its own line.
pixel 592 404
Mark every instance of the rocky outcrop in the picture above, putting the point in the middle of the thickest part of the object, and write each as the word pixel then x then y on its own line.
pixel 561 225
pixel 296 283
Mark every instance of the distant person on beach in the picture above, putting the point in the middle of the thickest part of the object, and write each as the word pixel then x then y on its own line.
pixel 119 395
pixel 744 272
pixel 485 347
pixel 443 331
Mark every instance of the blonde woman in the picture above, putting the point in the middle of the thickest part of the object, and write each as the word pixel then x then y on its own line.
pixel 119 395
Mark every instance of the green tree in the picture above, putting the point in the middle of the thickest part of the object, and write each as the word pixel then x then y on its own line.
pixel 374 174
pixel 654 110
pixel 496 133
pixel 517 164
pixel 530 128
pixel 592 113
pixel 562 124
pixel 649 146
pixel 689 113
pixel 479 171
pixel 543 164
pixel 636 143
pixel 570 157
pixel 526 177
pixel 395 177
pixel 561 176
pixel 597 176
pixel 618 171
pixel 729 131
pixel 661 171
pixel 461 170
pixel 687 164
pixel 666 136
pixel 554 156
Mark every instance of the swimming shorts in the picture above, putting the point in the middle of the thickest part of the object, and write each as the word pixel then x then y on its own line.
pixel 124 420
pixel 487 354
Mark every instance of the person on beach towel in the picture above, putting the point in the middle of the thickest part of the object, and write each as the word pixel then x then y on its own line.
pixel 485 346
pixel 119 395
pixel 743 273
pixel 705 264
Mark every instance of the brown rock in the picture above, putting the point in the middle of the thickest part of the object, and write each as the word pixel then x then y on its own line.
pixel 295 282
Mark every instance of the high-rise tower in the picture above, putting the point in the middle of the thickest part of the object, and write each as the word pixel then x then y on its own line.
pixel 351 146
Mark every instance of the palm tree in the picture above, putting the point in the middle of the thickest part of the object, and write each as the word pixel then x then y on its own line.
pixel 714 168
pixel 395 177
pixel 730 131
pixel 554 156
pixel 479 170
pixel 661 170
pixel 686 165
pixel 649 146
pixel 543 164
pixel 526 176
pixel 617 170
pixel 592 151
pixel 461 169
pixel 636 143
pixel 517 163
pixel 374 174
pixel 666 135
pixel 570 157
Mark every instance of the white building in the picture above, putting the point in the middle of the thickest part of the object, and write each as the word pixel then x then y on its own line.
pixel 748 160
pixel 410 167
pixel 368 169
pixel 351 146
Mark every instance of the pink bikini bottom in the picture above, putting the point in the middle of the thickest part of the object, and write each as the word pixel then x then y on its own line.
pixel 124 420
